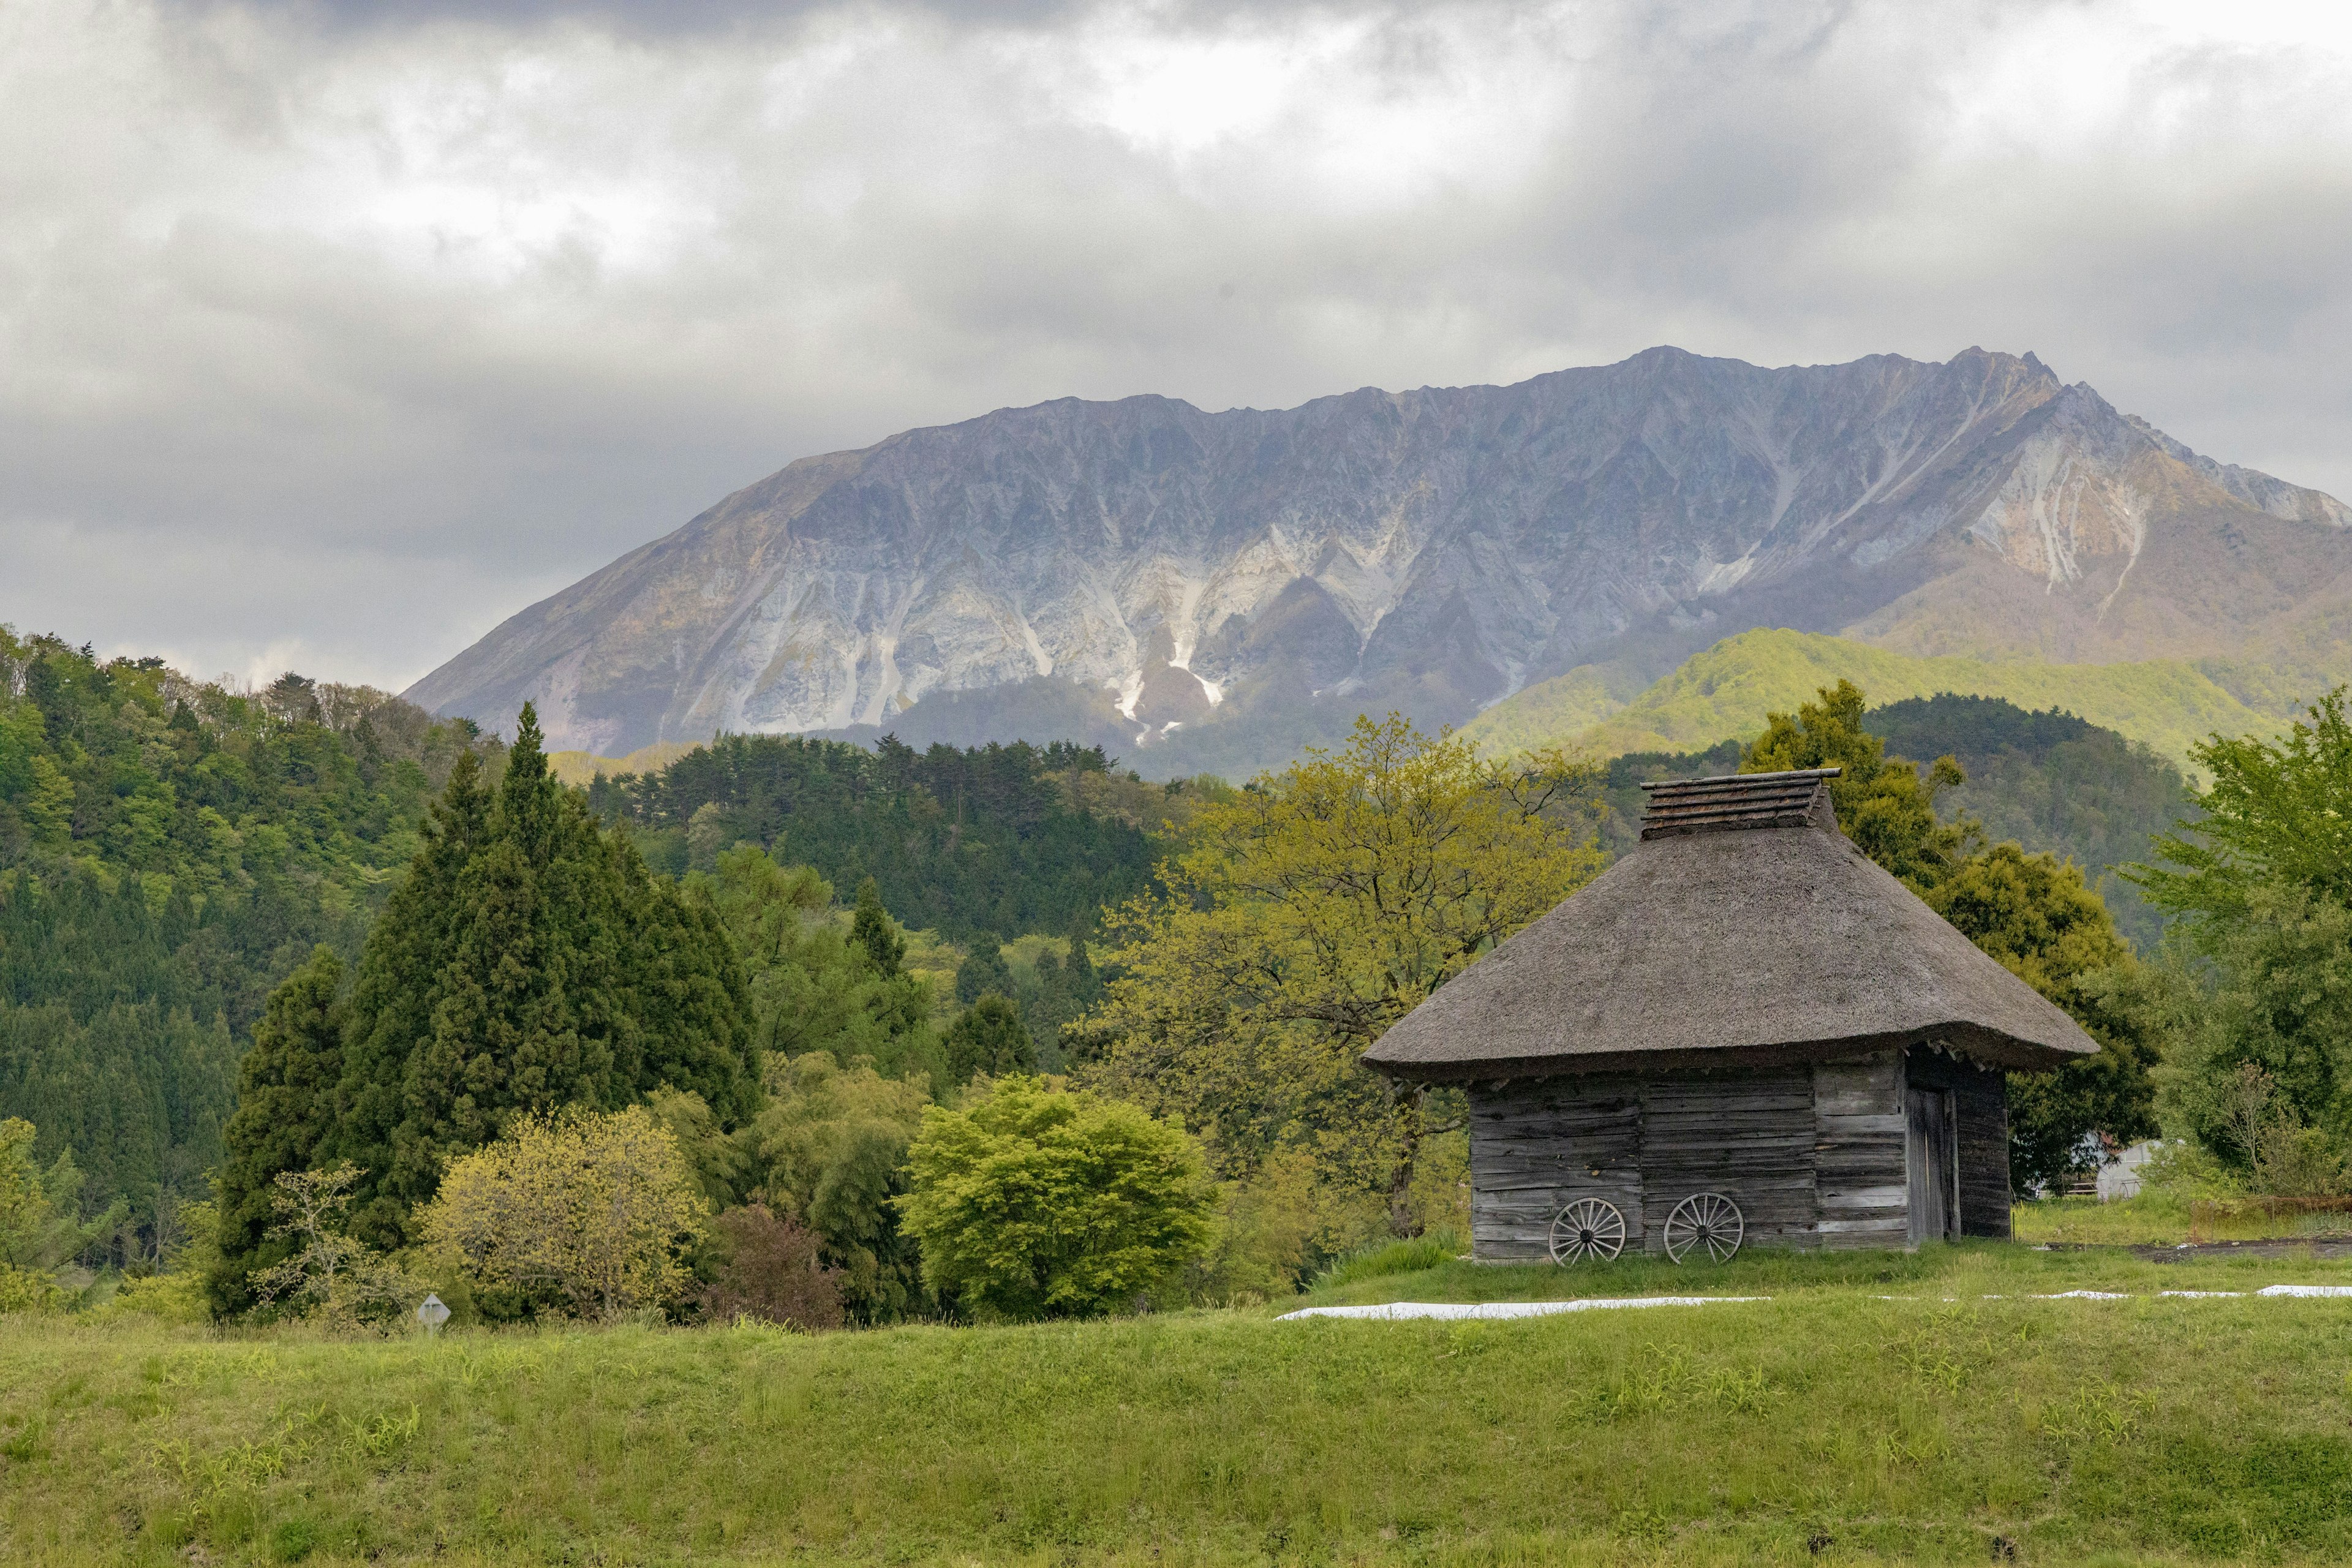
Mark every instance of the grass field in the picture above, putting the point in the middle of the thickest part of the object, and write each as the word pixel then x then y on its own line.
pixel 1827 1424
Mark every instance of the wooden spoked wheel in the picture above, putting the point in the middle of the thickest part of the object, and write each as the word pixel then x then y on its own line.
pixel 1587 1230
pixel 1708 1220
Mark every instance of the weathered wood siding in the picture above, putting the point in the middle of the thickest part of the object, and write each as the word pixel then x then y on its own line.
pixel 1538 1144
pixel 1858 1152
pixel 1747 1135
pixel 1814 1156
pixel 1644 1143
pixel 1980 1101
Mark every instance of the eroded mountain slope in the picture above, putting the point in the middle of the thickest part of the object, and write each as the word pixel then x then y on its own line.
pixel 1212 590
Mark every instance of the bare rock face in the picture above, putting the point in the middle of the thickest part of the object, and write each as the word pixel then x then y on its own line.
pixel 1215 590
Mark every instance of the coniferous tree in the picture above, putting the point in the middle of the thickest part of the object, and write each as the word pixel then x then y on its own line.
pixel 983 972
pixel 990 1037
pixel 1079 969
pixel 873 930
pixel 529 965
pixel 393 999
pixel 284 1106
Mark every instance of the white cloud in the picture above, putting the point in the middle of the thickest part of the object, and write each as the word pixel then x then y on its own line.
pixel 337 339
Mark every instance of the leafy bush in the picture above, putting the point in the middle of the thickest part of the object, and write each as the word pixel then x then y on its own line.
pixel 596 1211
pixel 39 1229
pixel 773 1272
pixel 1035 1203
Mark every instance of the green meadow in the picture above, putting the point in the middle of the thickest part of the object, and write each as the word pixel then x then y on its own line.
pixel 1920 1407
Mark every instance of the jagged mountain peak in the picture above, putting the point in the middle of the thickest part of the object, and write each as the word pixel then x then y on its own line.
pixel 1214 589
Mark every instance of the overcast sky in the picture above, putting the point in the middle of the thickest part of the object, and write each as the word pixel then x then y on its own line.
pixel 328 341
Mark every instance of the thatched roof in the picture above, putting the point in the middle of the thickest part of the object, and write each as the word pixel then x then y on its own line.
pixel 1743 929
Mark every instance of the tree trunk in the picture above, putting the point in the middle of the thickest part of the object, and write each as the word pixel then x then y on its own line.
pixel 1410 1118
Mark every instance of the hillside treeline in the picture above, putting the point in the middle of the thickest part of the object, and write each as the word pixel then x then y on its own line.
pixel 169 851
pixel 2048 782
pixel 782 1007
pixel 991 838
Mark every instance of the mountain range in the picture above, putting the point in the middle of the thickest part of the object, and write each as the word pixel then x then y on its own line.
pixel 1207 591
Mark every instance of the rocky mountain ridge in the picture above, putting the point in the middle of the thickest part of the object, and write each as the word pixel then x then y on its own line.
pixel 1213 590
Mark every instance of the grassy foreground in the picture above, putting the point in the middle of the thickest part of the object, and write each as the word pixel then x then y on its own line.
pixel 1826 1425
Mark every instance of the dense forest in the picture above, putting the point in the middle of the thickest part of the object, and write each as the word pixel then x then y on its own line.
pixel 169 851
pixel 2047 781
pixel 998 839
pixel 2050 782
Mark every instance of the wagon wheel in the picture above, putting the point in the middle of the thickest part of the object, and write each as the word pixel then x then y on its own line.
pixel 1704 1219
pixel 1589 1228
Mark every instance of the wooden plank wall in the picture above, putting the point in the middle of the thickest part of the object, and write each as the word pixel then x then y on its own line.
pixel 1813 1155
pixel 1747 1135
pixel 1646 1143
pixel 1859 1156
pixel 1980 1099
pixel 1538 1144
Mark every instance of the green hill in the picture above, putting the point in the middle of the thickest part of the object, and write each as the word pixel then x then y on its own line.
pixel 169 851
pixel 2049 781
pixel 1919 1407
pixel 1729 689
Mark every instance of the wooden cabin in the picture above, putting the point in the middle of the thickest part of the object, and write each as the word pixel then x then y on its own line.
pixel 1744 1017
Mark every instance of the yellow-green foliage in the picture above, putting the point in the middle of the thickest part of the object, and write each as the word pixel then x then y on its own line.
pixel 175 1298
pixel 1916 1428
pixel 1311 912
pixel 598 1211
pixel 577 768
pixel 1034 1202
pixel 1727 691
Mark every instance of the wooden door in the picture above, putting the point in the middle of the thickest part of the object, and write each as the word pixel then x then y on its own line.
pixel 1931 1145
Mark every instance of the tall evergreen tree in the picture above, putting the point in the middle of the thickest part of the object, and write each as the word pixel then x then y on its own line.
pixel 393 999
pixel 529 962
pixel 990 1037
pixel 983 972
pixel 284 1107
pixel 873 929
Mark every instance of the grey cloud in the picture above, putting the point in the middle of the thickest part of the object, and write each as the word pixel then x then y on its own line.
pixel 339 342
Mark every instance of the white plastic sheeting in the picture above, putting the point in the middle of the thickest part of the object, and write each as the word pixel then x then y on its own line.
pixel 1395 1310
pixel 1505 1308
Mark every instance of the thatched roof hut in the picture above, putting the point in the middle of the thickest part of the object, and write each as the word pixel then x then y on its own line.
pixel 1749 965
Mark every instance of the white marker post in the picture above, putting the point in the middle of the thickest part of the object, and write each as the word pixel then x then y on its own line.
pixel 432 1314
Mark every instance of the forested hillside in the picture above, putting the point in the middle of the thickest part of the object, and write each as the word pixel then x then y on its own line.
pixel 1729 688
pixel 169 852
pixel 1001 839
pixel 2047 781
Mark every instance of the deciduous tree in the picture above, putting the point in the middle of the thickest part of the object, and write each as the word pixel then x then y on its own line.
pixel 2277 814
pixel 2264 878
pixel 325 1272
pixel 2031 913
pixel 597 1211
pixel 1882 803
pixel 830 1149
pixel 1317 907
pixel 1034 1202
